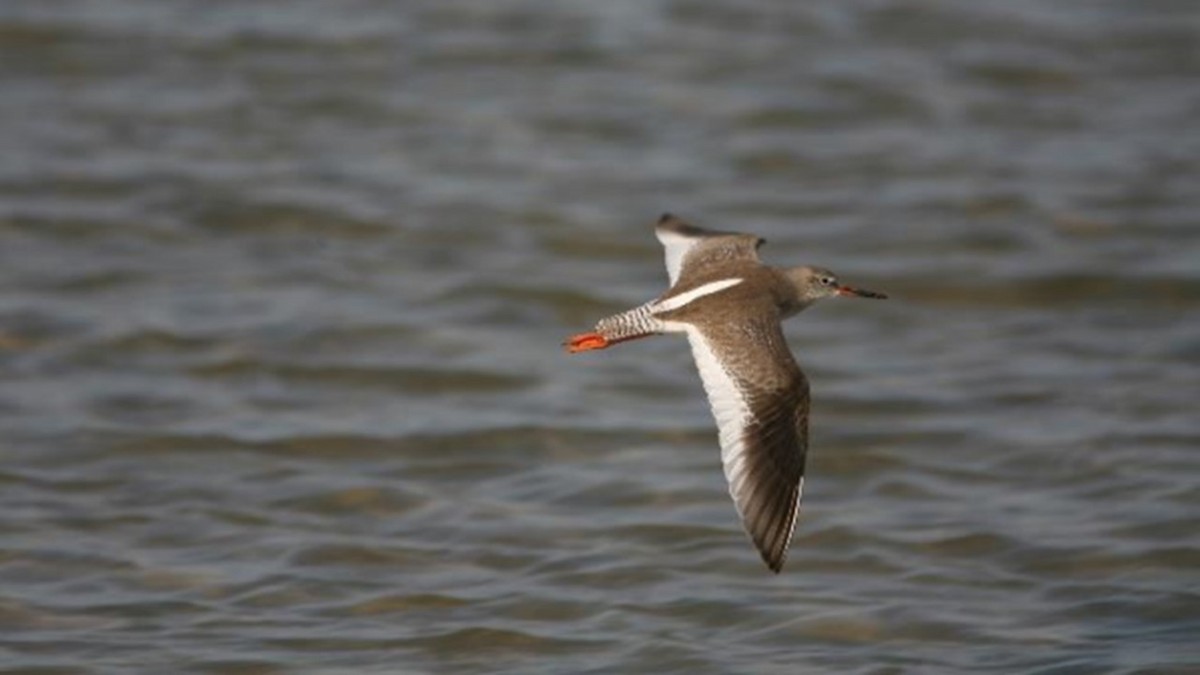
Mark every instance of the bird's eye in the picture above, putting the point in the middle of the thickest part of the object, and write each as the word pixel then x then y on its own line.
pixel 826 281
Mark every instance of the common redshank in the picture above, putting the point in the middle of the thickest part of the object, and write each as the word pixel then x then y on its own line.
pixel 730 305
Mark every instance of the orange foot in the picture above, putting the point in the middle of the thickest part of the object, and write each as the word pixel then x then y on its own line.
pixel 585 342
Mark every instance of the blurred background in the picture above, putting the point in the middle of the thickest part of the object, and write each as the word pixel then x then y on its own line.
pixel 282 287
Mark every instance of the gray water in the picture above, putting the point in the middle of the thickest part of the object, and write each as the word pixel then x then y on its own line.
pixel 282 287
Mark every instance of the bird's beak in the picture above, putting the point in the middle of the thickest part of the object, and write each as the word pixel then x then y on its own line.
pixel 860 293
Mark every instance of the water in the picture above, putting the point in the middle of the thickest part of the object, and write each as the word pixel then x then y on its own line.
pixel 282 286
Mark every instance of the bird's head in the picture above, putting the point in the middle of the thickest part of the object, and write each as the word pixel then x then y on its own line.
pixel 814 283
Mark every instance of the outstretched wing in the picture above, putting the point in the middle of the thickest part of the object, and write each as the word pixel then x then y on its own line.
pixel 688 247
pixel 759 397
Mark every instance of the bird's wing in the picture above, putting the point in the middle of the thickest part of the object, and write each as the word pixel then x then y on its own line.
pixel 759 397
pixel 689 247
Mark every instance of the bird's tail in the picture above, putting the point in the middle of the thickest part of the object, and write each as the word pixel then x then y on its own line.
pixel 636 323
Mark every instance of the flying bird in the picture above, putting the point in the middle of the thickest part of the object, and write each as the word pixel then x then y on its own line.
pixel 730 306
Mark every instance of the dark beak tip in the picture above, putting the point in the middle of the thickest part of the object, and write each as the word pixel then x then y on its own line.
pixel 861 293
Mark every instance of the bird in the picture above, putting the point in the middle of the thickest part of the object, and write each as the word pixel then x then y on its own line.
pixel 731 305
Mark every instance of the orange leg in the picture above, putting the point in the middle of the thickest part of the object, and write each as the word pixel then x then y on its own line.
pixel 585 342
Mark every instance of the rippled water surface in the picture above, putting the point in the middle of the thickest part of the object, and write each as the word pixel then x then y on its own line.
pixel 282 287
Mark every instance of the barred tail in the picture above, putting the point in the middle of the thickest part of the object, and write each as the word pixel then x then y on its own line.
pixel 635 323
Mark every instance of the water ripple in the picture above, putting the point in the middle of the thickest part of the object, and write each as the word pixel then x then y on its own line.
pixel 283 292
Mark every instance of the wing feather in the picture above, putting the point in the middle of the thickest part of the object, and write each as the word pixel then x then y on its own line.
pixel 759 398
pixel 686 246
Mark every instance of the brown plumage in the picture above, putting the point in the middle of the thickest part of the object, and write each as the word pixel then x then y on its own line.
pixel 731 306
